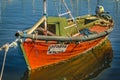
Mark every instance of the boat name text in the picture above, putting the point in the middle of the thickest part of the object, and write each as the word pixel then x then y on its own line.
pixel 57 48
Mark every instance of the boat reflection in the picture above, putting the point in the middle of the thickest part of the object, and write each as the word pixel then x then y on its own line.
pixel 80 68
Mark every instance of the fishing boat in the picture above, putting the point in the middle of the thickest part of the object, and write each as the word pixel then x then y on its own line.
pixel 82 67
pixel 56 40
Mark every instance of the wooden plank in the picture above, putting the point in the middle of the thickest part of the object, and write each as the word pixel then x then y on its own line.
pixel 36 25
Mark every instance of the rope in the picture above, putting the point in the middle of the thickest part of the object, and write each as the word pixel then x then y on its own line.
pixel 6 48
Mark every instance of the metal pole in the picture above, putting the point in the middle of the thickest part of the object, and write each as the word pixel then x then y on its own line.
pixel 44 7
pixel 68 9
pixel 45 14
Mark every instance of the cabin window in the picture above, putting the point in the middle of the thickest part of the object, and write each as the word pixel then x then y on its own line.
pixel 52 28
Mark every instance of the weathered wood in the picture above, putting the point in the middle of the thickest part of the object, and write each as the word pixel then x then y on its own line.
pixel 77 68
pixel 48 32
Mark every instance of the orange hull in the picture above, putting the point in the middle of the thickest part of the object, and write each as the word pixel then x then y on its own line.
pixel 40 53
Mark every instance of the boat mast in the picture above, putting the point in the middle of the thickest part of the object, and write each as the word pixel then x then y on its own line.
pixel 45 15
pixel 68 11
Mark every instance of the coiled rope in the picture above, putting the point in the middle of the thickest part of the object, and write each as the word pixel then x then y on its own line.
pixel 6 48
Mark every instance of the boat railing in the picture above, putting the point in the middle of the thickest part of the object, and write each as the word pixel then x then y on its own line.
pixel 29 31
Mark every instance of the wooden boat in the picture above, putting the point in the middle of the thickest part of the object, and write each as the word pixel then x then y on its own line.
pixel 82 67
pixel 56 40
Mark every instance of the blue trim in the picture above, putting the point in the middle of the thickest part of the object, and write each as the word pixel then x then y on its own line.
pixel 85 31
pixel 45 14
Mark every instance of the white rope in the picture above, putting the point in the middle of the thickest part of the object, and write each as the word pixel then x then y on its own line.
pixel 6 48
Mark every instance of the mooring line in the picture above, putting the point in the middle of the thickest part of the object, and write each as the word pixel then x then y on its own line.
pixel 6 48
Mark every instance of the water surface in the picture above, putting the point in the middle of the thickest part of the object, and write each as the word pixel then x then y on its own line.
pixel 21 14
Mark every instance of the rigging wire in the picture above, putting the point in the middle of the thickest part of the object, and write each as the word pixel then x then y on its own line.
pixel 54 2
pixel 74 5
pixel 59 6
pixel 89 7
pixel 98 2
